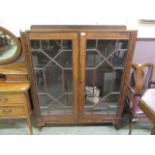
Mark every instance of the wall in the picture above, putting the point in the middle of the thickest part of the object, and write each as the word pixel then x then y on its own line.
pixel 20 14
pixel 145 52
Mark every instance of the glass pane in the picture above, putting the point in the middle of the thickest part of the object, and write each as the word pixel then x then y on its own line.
pixel 53 70
pixel 50 44
pixel 91 44
pixel 35 44
pixel 93 59
pixel 90 77
pixel 106 47
pixel 68 85
pixel 104 78
pixel 124 44
pixel 117 82
pixel 65 59
pixel 51 47
pixel 59 109
pixel 107 105
pixel 104 68
pixel 67 44
pixel 66 100
pixel 45 101
pixel 118 58
pixel 54 79
pixel 39 59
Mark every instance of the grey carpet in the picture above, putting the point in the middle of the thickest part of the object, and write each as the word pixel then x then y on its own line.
pixel 19 127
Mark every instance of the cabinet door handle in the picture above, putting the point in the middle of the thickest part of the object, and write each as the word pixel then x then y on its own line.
pixel 3 99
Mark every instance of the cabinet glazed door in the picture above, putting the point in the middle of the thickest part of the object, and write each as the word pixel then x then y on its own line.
pixel 55 62
pixel 102 61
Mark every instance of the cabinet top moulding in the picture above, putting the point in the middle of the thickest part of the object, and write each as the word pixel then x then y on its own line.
pixel 78 28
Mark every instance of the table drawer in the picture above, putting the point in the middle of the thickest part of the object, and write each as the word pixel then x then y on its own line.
pixel 7 111
pixel 12 98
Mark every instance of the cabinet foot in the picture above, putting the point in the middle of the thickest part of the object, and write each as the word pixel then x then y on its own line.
pixel 153 130
pixel 40 124
pixel 118 124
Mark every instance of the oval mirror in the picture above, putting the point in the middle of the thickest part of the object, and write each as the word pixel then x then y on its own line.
pixel 9 47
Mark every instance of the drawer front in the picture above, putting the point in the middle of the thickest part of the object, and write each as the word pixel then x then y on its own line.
pixel 12 98
pixel 13 77
pixel 8 111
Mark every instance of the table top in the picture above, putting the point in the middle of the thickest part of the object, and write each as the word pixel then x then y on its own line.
pixel 6 87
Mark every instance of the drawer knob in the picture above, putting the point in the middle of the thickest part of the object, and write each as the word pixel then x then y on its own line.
pixel 5 99
pixel 7 110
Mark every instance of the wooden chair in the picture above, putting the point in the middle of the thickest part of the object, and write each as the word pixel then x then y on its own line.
pixel 140 81
pixel 147 104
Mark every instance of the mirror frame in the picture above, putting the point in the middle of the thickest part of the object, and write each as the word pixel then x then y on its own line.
pixel 17 54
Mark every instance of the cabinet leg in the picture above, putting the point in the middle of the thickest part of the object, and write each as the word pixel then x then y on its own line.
pixel 153 130
pixel 118 123
pixel 130 124
pixel 117 126
pixel 130 127
pixel 40 123
pixel 29 125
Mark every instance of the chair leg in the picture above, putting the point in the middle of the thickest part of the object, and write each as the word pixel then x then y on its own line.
pixel 153 130
pixel 130 127
pixel 130 124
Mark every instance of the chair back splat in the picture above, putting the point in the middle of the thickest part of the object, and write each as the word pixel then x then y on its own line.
pixel 140 79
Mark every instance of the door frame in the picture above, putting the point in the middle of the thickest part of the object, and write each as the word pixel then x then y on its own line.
pixel 41 120
pixel 130 36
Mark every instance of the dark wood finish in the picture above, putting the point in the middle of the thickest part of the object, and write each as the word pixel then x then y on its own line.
pixel 128 64
pixel 31 77
pixel 80 34
pixel 77 28
pixel 106 35
pixel 73 37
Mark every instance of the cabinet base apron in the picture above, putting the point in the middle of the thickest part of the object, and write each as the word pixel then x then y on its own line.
pixel 61 120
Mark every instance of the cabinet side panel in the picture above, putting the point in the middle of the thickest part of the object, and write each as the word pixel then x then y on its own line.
pixel 126 72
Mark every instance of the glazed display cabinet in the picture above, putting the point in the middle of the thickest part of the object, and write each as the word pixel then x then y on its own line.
pixel 79 74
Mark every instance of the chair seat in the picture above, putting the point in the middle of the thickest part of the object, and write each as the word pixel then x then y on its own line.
pixel 14 86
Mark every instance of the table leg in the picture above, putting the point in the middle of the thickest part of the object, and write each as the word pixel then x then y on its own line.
pixel 153 130
pixel 29 124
